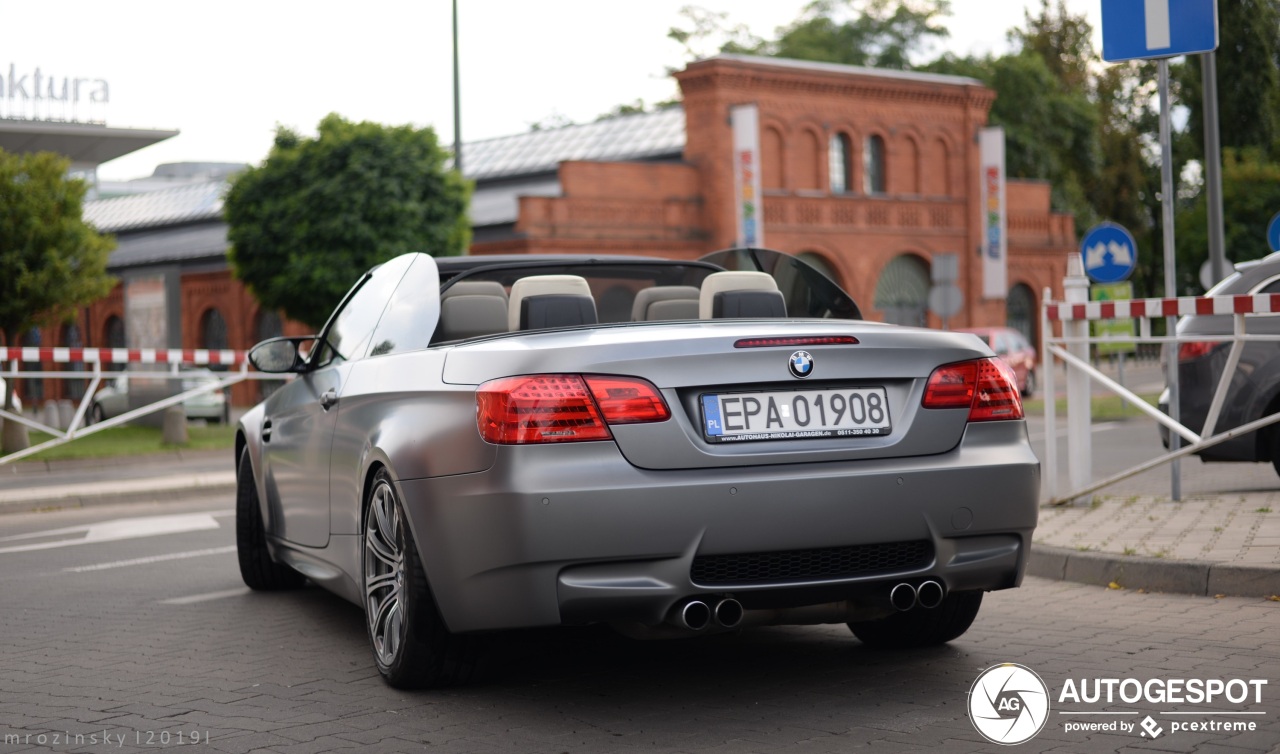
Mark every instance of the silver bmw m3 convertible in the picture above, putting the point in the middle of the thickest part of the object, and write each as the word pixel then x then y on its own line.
pixel 673 448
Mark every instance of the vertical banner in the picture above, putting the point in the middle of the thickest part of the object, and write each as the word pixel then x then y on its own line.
pixel 745 120
pixel 995 244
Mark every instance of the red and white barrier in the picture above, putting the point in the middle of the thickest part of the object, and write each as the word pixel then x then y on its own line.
pixel 1262 303
pixel 123 356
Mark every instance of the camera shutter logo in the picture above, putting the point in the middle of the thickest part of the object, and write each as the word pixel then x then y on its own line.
pixel 1008 704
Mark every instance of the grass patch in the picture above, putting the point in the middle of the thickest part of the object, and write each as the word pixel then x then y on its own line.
pixel 134 441
pixel 1104 407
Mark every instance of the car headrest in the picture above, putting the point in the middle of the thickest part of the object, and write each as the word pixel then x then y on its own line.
pixel 467 316
pixel 475 288
pixel 563 312
pixel 676 308
pixel 719 282
pixel 642 307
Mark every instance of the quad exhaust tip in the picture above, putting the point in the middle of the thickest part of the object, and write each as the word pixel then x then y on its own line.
pixel 728 612
pixel 930 594
pixel 695 615
pixel 903 596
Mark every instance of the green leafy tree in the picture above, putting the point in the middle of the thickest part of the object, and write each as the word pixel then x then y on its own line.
pixel 1250 197
pixel 1248 63
pixel 1051 132
pixel 51 262
pixel 879 33
pixel 320 211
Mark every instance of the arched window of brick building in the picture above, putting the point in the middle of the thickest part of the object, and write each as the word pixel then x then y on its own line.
pixel 839 168
pixel 72 338
pixel 113 337
pixel 902 292
pixel 907 168
pixel 267 325
pixel 32 390
pixel 807 167
pixel 937 170
pixel 771 159
pixel 1020 311
pixel 873 165
pixel 213 332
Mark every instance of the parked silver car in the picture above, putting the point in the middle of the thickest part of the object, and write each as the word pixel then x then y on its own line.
pixel 674 448
pixel 113 400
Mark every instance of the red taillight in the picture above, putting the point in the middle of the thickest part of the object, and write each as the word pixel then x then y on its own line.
pixel 544 408
pixel 1192 350
pixel 988 387
pixel 627 400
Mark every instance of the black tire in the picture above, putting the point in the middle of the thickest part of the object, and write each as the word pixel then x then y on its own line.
pixel 418 651
pixel 1030 388
pixel 919 627
pixel 257 568
pixel 96 414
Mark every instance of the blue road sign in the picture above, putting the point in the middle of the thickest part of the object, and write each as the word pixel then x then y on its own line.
pixel 1273 232
pixel 1109 252
pixel 1136 29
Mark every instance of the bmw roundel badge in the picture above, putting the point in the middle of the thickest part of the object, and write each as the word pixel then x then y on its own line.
pixel 800 364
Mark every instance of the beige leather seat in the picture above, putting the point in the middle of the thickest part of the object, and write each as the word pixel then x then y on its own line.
pixel 471 308
pixel 727 295
pixel 665 302
pixel 542 301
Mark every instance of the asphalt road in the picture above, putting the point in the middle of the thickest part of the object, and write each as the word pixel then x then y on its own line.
pixel 132 621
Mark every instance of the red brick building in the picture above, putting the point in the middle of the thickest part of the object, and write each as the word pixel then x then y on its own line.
pixel 866 173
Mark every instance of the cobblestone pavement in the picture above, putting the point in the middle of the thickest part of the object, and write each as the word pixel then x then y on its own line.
pixel 1239 528
pixel 150 636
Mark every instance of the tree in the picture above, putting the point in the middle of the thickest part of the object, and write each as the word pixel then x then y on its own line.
pixel 1250 196
pixel 879 33
pixel 1248 62
pixel 320 211
pixel 51 262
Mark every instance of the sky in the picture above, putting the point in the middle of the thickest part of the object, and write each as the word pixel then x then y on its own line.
pixel 225 74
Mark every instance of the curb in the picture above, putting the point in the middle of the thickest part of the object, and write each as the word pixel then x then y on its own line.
pixel 1196 577
pixel 145 496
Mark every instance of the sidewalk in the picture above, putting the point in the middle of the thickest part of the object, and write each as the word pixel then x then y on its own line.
pixel 39 485
pixel 1207 544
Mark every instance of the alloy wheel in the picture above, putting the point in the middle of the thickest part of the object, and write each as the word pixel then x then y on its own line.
pixel 384 573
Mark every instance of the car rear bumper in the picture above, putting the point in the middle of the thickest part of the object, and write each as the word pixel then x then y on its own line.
pixel 575 534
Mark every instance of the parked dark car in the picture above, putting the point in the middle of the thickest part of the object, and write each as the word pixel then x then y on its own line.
pixel 1254 390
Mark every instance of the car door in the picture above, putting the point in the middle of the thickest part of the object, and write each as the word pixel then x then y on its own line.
pixel 298 422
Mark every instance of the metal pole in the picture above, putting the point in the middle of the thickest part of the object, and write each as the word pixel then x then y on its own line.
pixel 457 98
pixel 1170 278
pixel 1075 290
pixel 1213 166
pixel 1047 367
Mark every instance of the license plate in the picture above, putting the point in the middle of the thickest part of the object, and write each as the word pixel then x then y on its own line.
pixel 799 414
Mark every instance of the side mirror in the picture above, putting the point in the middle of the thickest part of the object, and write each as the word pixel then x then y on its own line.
pixel 279 355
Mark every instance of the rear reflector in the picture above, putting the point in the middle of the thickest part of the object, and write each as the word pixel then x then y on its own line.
pixel 548 408
pixel 797 341
pixel 988 387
